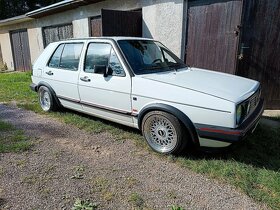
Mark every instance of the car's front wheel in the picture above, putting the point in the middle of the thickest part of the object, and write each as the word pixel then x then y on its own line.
pixel 164 132
pixel 46 99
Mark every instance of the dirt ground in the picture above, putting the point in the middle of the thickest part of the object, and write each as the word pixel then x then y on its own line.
pixel 66 163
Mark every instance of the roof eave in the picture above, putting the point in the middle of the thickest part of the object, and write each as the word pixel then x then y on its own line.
pixel 59 7
pixel 15 20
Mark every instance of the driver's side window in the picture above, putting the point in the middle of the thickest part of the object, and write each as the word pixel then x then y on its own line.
pixel 102 54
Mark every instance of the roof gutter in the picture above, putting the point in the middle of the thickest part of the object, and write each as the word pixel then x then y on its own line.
pixel 59 7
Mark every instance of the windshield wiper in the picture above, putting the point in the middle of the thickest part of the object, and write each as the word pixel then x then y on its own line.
pixel 153 67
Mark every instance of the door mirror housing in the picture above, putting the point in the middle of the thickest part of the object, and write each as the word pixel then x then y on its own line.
pixel 108 72
pixel 103 69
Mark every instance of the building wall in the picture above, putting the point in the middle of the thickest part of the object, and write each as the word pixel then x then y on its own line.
pixel 163 20
pixel 6 50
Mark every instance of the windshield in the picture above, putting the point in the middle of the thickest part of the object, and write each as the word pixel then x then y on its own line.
pixel 147 56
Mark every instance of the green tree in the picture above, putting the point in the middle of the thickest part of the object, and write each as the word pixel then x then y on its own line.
pixel 13 8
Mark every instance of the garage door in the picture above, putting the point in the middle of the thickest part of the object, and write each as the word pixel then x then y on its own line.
pixel 20 49
pixel 117 23
pixel 213 34
pixel 57 33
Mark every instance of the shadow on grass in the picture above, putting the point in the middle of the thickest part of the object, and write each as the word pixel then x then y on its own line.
pixel 260 149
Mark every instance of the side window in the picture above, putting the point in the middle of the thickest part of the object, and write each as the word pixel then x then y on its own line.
pixel 71 56
pixel 55 59
pixel 167 58
pixel 101 54
pixel 116 65
pixel 66 56
pixel 97 55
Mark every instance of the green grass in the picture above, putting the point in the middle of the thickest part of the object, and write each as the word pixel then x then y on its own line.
pixel 253 166
pixel 12 140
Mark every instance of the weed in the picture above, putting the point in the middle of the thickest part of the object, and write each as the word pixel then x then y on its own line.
pixel 136 200
pixel 172 194
pixel 78 174
pixel 176 208
pixel 84 205
pixel 130 181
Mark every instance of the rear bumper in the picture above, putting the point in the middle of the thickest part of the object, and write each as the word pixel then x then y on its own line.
pixel 33 87
pixel 229 135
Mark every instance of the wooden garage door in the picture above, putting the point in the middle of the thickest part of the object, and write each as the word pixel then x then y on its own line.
pixel 20 49
pixel 213 34
pixel 261 48
pixel 121 23
pixel 57 33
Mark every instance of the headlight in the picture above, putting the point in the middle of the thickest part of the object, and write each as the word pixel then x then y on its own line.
pixel 238 114
pixel 241 112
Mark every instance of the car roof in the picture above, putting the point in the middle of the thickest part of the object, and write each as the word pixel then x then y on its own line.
pixel 116 38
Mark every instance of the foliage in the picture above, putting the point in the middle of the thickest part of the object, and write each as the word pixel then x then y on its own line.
pixel 84 205
pixel 136 200
pixel 176 208
pixel 13 8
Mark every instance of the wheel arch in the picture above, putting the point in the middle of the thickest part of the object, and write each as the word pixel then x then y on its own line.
pixel 40 84
pixel 174 111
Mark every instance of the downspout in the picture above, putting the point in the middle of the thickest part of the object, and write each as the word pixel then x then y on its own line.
pixel 184 29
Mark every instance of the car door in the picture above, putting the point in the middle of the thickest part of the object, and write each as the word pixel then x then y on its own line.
pixel 62 74
pixel 107 97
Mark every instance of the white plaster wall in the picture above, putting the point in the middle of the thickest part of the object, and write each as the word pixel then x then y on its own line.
pixel 35 43
pixel 81 28
pixel 6 50
pixel 163 21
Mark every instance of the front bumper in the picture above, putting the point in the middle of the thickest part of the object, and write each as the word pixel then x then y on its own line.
pixel 229 135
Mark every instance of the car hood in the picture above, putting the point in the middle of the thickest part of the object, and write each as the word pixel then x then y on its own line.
pixel 225 86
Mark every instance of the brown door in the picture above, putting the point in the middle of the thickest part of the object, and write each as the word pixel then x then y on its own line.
pixel 213 34
pixel 20 49
pixel 96 26
pixel 121 23
pixel 260 48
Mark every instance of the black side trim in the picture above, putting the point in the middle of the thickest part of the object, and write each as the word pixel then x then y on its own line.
pixel 174 111
pixel 231 135
pixel 97 106
pixel 51 90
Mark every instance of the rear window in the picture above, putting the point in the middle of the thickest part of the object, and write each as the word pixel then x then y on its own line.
pixel 66 56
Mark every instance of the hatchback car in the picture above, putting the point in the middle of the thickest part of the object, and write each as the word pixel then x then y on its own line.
pixel 140 83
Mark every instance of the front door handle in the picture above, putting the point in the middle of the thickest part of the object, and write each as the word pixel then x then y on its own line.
pixel 85 79
pixel 49 73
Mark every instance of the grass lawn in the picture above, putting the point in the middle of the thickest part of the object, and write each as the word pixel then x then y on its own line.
pixel 12 140
pixel 253 166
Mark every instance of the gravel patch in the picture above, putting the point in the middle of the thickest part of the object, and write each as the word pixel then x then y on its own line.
pixel 67 163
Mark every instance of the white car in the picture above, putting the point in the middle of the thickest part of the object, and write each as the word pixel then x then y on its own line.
pixel 140 83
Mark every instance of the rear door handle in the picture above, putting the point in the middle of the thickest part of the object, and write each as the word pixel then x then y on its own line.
pixel 85 79
pixel 49 73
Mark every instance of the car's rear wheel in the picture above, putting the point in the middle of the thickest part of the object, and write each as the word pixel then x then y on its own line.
pixel 163 132
pixel 46 99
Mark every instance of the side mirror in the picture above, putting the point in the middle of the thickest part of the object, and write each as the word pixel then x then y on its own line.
pixel 102 69
pixel 109 71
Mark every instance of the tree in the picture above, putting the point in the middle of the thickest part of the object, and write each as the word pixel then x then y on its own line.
pixel 13 8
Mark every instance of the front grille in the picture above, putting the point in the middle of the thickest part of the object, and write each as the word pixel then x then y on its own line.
pixel 254 101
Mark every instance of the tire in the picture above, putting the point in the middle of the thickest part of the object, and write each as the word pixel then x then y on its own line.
pixel 164 133
pixel 46 99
